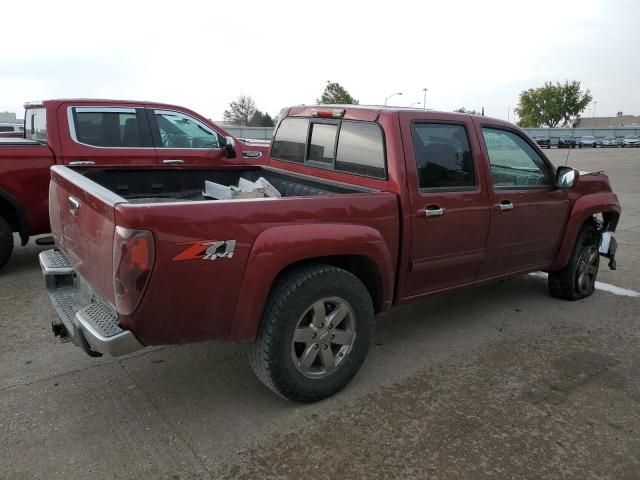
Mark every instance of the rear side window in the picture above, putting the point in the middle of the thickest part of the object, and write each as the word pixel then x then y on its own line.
pixel 290 140
pixel 443 156
pixel 361 149
pixel 105 128
pixel 36 124
pixel 360 145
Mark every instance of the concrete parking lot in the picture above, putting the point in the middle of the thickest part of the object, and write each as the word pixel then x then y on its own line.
pixel 498 381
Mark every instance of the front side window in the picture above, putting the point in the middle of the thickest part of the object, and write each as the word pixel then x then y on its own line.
pixel 107 128
pixel 514 163
pixel 36 124
pixel 180 131
pixel 443 156
pixel 290 140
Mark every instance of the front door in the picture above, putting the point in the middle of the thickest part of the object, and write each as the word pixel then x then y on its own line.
pixel 183 140
pixel 450 210
pixel 528 213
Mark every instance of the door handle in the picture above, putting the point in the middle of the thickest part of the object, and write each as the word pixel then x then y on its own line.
pixel 172 161
pixel 82 162
pixel 433 211
pixel 74 205
pixel 505 205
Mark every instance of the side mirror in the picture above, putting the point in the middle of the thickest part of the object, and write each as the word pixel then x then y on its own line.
pixel 228 144
pixel 566 177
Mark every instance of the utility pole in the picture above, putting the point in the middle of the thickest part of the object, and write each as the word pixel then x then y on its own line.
pixel 594 109
pixel 424 98
pixel 508 113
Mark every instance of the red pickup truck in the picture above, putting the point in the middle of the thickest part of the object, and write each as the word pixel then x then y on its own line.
pixel 379 206
pixel 99 132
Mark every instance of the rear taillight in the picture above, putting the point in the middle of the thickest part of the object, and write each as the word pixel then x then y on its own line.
pixel 133 254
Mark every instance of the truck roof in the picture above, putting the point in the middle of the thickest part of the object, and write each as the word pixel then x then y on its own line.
pixel 372 112
pixel 98 102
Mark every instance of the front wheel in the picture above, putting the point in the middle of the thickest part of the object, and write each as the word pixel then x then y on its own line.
pixel 6 242
pixel 315 333
pixel 578 278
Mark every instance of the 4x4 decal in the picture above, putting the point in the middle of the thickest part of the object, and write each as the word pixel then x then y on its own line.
pixel 207 250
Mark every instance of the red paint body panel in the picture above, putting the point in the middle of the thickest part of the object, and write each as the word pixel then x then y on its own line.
pixel 189 298
pixel 270 234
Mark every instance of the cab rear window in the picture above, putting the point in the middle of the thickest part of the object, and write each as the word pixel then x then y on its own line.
pixel 36 124
pixel 342 145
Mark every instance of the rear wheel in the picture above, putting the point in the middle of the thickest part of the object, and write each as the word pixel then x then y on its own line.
pixel 6 242
pixel 578 278
pixel 315 333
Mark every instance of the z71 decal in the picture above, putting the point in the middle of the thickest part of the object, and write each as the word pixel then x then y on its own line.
pixel 208 250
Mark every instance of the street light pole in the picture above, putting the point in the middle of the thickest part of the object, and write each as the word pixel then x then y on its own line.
pixel 393 94
pixel 594 109
pixel 424 98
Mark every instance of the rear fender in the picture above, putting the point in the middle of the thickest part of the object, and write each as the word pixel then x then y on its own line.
pixel 279 247
pixel 584 208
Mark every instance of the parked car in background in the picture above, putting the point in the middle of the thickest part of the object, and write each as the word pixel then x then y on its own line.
pixel 566 141
pixel 100 132
pixel 543 141
pixel 378 207
pixel 588 141
pixel 631 141
pixel 11 130
pixel 610 141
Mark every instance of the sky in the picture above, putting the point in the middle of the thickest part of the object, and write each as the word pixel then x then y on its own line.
pixel 204 54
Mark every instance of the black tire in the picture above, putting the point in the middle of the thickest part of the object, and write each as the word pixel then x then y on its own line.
pixel 568 283
pixel 6 242
pixel 271 354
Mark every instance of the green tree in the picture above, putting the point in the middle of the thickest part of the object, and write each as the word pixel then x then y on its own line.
pixel 334 93
pixel 267 121
pixel 241 111
pixel 552 105
pixel 464 110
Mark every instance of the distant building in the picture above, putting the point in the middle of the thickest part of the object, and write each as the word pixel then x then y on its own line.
pixel 604 122
pixel 9 117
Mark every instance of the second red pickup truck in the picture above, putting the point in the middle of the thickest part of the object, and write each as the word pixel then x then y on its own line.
pixel 100 132
pixel 379 207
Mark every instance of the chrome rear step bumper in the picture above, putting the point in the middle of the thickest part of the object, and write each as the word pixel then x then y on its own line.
pixel 85 319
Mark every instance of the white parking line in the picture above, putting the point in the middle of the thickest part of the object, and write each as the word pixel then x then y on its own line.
pixel 606 287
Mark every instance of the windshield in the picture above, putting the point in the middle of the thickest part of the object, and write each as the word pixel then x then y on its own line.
pixel 631 137
pixel 588 138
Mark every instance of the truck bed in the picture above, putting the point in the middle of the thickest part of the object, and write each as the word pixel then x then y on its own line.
pixel 178 185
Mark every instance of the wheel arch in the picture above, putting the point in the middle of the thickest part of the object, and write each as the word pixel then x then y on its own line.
pixel 584 210
pixel 13 212
pixel 358 249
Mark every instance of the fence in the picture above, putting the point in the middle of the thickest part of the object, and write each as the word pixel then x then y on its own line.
pixel 256 133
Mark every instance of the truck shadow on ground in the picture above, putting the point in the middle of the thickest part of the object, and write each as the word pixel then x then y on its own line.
pixel 211 386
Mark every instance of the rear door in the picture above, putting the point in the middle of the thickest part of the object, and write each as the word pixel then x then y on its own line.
pixel 181 139
pixel 106 136
pixel 450 210
pixel 528 213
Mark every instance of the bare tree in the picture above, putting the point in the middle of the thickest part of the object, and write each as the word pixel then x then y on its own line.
pixel 241 111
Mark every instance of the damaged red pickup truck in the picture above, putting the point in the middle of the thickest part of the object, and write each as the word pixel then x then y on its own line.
pixel 378 206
